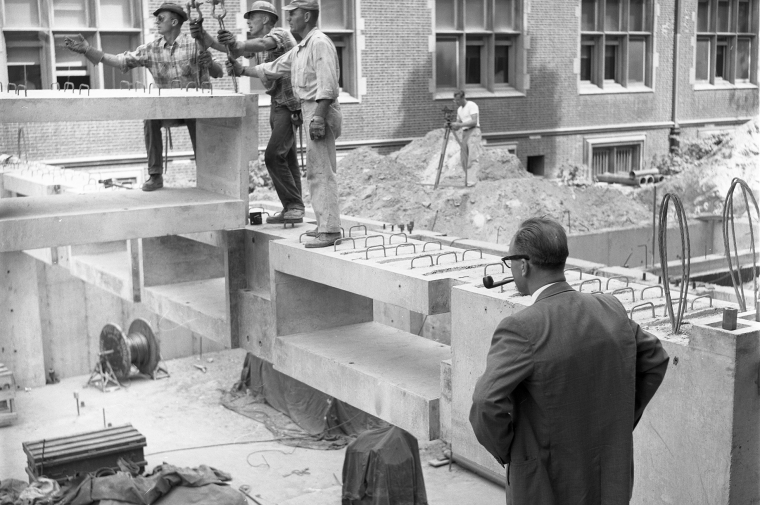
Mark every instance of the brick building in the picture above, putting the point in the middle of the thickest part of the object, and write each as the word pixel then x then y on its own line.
pixel 590 81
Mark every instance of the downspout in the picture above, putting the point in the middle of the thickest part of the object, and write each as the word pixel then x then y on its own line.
pixel 675 131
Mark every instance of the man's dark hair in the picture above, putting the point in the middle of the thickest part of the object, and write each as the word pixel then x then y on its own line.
pixel 544 241
pixel 314 15
pixel 459 94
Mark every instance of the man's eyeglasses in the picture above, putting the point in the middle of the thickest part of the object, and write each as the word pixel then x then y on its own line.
pixel 161 18
pixel 507 260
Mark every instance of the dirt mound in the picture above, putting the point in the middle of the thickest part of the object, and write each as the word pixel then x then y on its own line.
pixel 497 164
pixel 703 184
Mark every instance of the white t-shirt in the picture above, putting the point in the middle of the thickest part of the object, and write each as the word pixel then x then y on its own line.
pixel 465 113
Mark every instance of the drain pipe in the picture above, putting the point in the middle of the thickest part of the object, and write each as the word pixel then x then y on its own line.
pixel 675 131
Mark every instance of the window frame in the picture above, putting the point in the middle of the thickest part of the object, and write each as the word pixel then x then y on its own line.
pixel 48 29
pixel 726 42
pixel 601 38
pixel 638 142
pixel 489 37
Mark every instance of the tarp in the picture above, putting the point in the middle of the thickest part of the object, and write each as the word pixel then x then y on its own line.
pixel 310 418
pixel 382 467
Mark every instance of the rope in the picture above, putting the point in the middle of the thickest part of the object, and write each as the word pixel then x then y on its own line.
pixel 675 318
pixel 728 219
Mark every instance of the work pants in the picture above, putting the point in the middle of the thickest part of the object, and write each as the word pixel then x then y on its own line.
pixel 321 165
pixel 154 144
pixel 470 150
pixel 281 158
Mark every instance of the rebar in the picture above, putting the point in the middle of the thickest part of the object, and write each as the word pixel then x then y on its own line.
pixel 340 241
pixel 623 290
pixel 616 278
pixel 472 250
pixel 662 291
pixel 411 265
pixel 728 218
pixel 438 258
pixel 413 246
pixel 701 296
pixel 485 269
pixel 356 227
pixel 577 269
pixel 440 246
pixel 645 304
pixel 390 239
pixel 675 317
pixel 589 281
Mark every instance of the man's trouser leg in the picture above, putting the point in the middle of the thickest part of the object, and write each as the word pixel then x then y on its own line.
pixel 281 160
pixel 155 146
pixel 321 165
pixel 474 147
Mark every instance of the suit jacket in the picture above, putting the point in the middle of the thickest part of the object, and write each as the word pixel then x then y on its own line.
pixel 566 381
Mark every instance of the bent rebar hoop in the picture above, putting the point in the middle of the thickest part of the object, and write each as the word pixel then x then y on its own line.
pixel 728 217
pixel 675 319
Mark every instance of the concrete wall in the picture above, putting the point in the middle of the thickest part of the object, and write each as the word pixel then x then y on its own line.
pixel 54 320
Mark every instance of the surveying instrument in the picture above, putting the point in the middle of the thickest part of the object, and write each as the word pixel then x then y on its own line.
pixel 448 115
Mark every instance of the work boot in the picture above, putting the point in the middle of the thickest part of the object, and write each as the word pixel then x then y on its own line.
pixel 155 182
pixel 323 240
pixel 312 233
pixel 293 215
pixel 277 217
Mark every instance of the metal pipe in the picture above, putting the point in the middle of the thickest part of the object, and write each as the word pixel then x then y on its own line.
pixel 675 131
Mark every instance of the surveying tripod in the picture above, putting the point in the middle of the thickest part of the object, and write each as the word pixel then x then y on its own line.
pixel 448 116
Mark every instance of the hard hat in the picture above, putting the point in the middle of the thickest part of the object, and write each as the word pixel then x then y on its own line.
pixel 262 6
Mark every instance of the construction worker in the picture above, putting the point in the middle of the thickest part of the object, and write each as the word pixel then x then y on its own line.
pixel 468 120
pixel 267 43
pixel 314 70
pixel 172 56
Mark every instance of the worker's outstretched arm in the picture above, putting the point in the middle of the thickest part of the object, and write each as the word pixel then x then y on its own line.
pixel 240 48
pixel 79 44
pixel 205 60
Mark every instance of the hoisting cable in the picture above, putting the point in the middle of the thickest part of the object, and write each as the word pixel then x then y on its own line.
pixel 728 221
pixel 675 318
pixel 220 18
pixel 194 4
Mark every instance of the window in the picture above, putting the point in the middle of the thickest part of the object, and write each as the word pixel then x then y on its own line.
pixel 621 154
pixel 476 44
pixel 36 53
pixel 336 20
pixel 616 41
pixel 622 158
pixel 726 41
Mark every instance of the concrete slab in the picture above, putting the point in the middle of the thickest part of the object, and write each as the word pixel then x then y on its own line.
pixel 36 222
pixel 109 271
pixel 197 305
pixel 384 371
pixel 403 274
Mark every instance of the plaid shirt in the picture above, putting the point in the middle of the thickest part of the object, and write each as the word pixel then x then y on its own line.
pixel 281 90
pixel 167 62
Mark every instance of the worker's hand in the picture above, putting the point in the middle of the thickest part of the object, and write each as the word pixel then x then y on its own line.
pixel 317 128
pixel 196 30
pixel 227 38
pixel 234 67
pixel 77 44
pixel 456 126
pixel 205 59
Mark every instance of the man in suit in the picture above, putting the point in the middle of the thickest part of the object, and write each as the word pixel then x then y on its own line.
pixel 566 381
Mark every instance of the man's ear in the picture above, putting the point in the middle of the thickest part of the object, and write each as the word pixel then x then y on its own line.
pixel 174 22
pixel 524 267
pixel 306 16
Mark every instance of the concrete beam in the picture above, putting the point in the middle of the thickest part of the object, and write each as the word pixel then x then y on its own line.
pixel 36 222
pixel 383 371
pixel 105 104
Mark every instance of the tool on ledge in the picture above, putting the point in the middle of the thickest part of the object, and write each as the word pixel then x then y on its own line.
pixel 489 283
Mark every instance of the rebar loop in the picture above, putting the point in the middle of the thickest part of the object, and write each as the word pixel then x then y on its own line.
pixel 641 305
pixel 440 245
pixel 701 296
pixel 626 289
pixel 366 252
pixel 728 218
pixel 589 281
pixel 617 278
pixel 340 241
pixel 357 226
pixel 366 239
pixel 405 244
pixel 187 86
pixel 675 318
pixel 390 239
pixel 141 84
pixel 662 291
pixel 18 88
pixel 577 269
pixel 121 85
pixel 438 258
pixel 411 265
pixel 84 86
pixel 485 269
pixel 210 87
pixel 51 86
pixel 68 85
pixel 472 250
pixel 179 84
pixel 9 86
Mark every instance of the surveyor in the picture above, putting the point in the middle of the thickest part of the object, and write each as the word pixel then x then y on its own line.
pixel 566 381
pixel 313 67
pixel 268 43
pixel 171 57
pixel 468 120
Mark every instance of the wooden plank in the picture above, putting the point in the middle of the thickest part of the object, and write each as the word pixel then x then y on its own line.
pixel 35 222
pixel 85 437
pixel 104 105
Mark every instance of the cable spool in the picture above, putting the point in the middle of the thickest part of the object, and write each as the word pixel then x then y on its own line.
pixel 139 347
